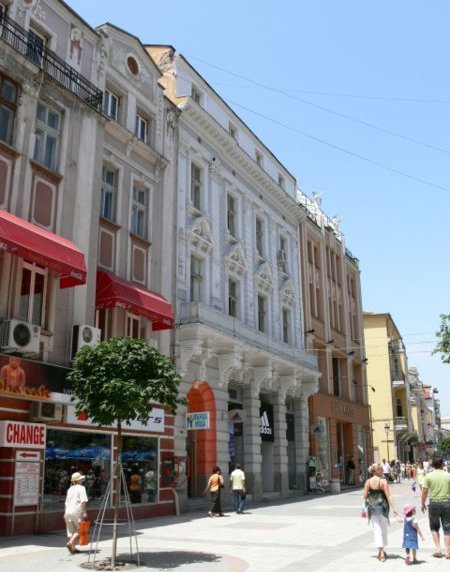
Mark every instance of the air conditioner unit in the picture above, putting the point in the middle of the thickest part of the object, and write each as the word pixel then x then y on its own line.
pixel 84 335
pixel 19 337
pixel 46 411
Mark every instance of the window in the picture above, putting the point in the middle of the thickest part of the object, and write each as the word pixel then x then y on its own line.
pixel 196 279
pixel 231 215
pixel 281 181
pixel 33 291
pixel 139 212
pixel 135 327
pixel 196 95
pixel 196 186
pixel 262 310
pixel 140 463
pixel 111 105
pixel 259 236
pixel 8 107
pixel 141 128
pixel 35 46
pixel 258 158
pixel 47 133
pixel 336 382
pixel 398 407
pixel 232 131
pixel 286 325
pixel 109 193
pixel 282 254
pixel 233 298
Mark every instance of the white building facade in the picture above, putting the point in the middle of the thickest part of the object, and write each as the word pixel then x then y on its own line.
pixel 239 338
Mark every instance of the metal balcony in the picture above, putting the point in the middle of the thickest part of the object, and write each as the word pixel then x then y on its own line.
pixel 54 66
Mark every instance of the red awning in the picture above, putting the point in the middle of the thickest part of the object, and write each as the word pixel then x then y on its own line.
pixel 114 292
pixel 35 244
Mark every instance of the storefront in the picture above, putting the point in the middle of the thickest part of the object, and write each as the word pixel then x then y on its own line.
pixel 42 442
pixel 339 433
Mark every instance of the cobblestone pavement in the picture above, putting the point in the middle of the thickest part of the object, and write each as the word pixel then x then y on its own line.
pixel 313 533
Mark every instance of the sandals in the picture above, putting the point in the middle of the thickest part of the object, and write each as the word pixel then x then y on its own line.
pixel 71 548
pixel 437 554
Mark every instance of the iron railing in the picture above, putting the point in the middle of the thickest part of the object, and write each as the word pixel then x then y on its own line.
pixel 64 74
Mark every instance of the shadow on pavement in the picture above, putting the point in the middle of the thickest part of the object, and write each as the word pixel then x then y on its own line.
pixel 173 559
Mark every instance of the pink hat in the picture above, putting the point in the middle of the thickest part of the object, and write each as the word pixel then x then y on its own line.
pixel 408 509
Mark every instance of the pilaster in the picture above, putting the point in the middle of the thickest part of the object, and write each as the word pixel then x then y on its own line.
pixel 252 443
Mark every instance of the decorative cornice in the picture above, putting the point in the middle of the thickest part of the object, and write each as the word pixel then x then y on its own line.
pixel 188 350
pixel 228 364
pixel 200 234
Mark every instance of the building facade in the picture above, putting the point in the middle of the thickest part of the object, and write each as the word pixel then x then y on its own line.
pixel 239 340
pixel 84 195
pixel 339 413
pixel 387 371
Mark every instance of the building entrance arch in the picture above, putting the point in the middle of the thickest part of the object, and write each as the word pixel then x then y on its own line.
pixel 201 443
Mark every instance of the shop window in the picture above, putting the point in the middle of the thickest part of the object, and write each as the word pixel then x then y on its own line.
pixel 135 327
pixel 8 107
pixel 104 321
pixel 139 462
pixel 33 292
pixel 69 451
pixel 48 134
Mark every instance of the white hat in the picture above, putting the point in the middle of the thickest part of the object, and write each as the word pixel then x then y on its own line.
pixel 77 477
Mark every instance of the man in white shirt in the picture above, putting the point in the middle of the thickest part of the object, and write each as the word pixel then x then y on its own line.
pixel 386 469
pixel 237 482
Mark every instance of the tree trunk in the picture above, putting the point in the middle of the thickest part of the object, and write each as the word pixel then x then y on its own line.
pixel 117 484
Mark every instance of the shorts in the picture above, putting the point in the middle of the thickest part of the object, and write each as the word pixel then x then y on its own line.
pixel 72 524
pixel 439 513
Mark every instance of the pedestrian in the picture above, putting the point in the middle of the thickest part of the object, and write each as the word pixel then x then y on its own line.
pixel 215 486
pixel 386 469
pixel 75 510
pixel 378 500
pixel 436 487
pixel 351 471
pixel 135 485
pixel 410 532
pixel 420 472
pixel 237 482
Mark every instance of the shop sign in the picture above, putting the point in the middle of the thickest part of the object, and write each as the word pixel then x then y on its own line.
pixel 33 380
pixel 343 409
pixel 155 423
pixel 197 420
pixel 237 415
pixel 316 429
pixel 26 483
pixel 19 434
pixel 266 422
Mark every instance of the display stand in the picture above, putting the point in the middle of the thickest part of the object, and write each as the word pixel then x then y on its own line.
pixel 101 521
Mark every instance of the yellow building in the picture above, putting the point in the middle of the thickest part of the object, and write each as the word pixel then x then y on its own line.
pixel 394 433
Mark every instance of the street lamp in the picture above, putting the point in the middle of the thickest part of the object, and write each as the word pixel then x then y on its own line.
pixel 387 430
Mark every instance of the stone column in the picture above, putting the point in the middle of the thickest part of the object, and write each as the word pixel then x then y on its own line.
pixel 280 457
pixel 252 443
pixel 301 424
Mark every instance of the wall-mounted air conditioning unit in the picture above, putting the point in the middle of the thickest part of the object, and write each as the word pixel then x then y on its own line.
pixel 46 411
pixel 20 337
pixel 84 335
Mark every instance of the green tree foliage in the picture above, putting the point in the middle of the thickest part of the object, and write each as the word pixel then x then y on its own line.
pixel 443 346
pixel 115 382
pixel 117 379
pixel 444 446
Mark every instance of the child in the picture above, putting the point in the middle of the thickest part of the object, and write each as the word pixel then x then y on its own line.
pixel 410 531
pixel 414 487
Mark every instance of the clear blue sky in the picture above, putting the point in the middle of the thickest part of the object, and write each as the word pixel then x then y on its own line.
pixel 384 64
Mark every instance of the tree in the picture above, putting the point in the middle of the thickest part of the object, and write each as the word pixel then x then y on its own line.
pixel 443 346
pixel 115 382
pixel 444 446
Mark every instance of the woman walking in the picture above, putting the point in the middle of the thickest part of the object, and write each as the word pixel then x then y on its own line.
pixel 215 486
pixel 378 500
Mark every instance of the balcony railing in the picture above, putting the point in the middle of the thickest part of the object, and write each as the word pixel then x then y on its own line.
pixel 398 381
pixel 64 74
pixel 400 423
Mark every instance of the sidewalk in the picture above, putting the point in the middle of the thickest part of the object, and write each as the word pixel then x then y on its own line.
pixel 313 533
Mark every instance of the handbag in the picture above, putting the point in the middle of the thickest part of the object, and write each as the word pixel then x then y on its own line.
pixel 364 510
pixel 84 532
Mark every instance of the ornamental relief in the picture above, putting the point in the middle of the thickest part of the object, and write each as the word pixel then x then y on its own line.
pixel 264 277
pixel 200 234
pixel 235 260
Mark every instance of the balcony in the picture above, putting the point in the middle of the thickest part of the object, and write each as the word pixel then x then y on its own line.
pixel 229 328
pixel 54 66
pixel 400 423
pixel 398 380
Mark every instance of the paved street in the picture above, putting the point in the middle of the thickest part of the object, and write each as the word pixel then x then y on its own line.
pixel 316 533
